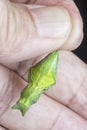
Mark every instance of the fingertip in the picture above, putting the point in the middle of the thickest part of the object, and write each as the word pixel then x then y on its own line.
pixel 76 35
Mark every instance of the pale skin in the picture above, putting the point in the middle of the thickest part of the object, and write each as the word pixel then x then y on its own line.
pixel 27 33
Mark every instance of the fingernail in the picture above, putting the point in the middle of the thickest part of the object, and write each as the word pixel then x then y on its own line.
pixel 51 22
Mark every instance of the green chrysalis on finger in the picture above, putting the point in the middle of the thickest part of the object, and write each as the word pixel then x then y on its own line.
pixel 42 76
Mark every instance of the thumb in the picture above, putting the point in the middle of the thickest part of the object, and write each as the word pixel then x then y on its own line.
pixel 29 31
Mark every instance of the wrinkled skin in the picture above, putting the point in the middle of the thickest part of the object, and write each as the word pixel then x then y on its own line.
pixel 28 33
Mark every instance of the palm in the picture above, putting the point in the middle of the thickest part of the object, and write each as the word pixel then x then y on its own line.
pixel 63 107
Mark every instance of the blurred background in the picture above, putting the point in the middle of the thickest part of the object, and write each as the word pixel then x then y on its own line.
pixel 82 50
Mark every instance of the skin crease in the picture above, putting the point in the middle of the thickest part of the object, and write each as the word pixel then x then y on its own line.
pixel 67 99
pixel 1 128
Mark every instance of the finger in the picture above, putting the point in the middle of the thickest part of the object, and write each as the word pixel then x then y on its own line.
pixel 39 115
pixel 14 84
pixel 71 85
pixel 32 31
pixel 32 119
pixel 70 88
pixel 76 34
pixel 9 84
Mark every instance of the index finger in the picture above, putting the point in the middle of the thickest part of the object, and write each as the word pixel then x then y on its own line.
pixel 76 34
pixel 37 30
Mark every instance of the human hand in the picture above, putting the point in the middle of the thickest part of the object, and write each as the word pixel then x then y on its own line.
pixel 24 43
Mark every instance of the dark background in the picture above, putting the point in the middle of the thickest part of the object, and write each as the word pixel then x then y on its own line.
pixel 82 50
